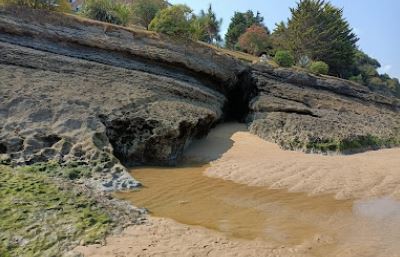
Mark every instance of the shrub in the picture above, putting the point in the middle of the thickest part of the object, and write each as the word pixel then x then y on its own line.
pixel 106 11
pixel 376 83
pixel 284 59
pixel 255 40
pixel 358 79
pixel 123 12
pixel 174 21
pixel 319 68
pixel 53 5
pixel 144 11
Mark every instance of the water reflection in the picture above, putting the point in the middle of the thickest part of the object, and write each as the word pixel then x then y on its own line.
pixel 378 208
pixel 332 227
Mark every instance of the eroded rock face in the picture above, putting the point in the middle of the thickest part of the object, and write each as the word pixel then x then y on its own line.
pixel 73 92
pixel 80 91
pixel 301 111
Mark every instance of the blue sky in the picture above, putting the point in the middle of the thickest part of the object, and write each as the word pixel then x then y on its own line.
pixel 377 23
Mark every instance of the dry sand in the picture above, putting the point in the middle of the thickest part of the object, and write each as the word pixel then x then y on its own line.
pixel 256 162
pixel 244 158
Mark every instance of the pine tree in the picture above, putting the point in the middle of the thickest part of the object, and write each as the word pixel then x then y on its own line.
pixel 207 27
pixel 318 30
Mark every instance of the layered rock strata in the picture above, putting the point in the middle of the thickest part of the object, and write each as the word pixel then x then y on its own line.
pixel 89 93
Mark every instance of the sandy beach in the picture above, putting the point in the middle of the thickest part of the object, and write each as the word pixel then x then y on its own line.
pixel 256 162
pixel 239 156
pixel 166 238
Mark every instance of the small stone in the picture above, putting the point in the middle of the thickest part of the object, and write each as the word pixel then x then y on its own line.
pixel 108 183
pixel 73 254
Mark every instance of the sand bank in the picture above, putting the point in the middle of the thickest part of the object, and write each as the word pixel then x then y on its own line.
pixel 244 158
pixel 256 162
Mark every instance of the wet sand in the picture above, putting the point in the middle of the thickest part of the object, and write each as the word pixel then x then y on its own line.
pixel 166 238
pixel 366 227
pixel 239 211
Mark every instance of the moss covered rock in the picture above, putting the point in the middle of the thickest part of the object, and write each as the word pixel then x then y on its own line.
pixel 40 218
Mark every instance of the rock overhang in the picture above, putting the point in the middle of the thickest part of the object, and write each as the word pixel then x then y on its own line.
pixel 109 95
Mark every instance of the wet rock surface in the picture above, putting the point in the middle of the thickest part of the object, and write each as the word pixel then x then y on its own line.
pixel 85 92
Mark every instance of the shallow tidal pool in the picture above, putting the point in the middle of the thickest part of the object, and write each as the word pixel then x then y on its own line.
pixel 258 213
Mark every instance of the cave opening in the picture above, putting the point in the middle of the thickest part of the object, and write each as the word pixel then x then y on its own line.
pixel 238 98
pixel 3 148
pixel 142 142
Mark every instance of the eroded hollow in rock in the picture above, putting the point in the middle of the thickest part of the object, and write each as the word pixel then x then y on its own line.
pixel 48 140
pixel 3 148
pixel 137 141
pixel 140 141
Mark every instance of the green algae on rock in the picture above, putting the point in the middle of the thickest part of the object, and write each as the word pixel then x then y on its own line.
pixel 41 218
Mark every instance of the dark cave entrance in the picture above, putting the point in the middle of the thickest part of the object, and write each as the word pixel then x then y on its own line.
pixel 237 106
pixel 136 141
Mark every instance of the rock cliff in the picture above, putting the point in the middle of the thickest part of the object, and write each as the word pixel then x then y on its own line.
pixel 85 92
pixel 298 110
pixel 74 90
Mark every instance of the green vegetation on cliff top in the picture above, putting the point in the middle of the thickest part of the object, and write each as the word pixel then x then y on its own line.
pixel 316 31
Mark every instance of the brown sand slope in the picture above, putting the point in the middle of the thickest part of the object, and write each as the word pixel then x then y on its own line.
pixel 254 161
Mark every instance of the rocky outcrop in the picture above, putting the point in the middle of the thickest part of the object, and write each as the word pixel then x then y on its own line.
pixel 79 91
pixel 321 114
pixel 86 92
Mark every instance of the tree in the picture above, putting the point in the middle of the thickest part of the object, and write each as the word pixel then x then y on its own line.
pixel 317 29
pixel 174 21
pixel 144 11
pixel 279 37
pixel 365 72
pixel 206 26
pixel 394 86
pixel 239 23
pixel 255 40
pixel 107 11
pixel 363 68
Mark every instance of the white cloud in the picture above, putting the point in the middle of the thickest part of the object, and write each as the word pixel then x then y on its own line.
pixel 386 68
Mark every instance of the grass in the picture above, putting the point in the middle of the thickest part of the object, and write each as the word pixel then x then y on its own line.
pixel 40 218
pixel 71 171
pixel 73 20
pixel 238 55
